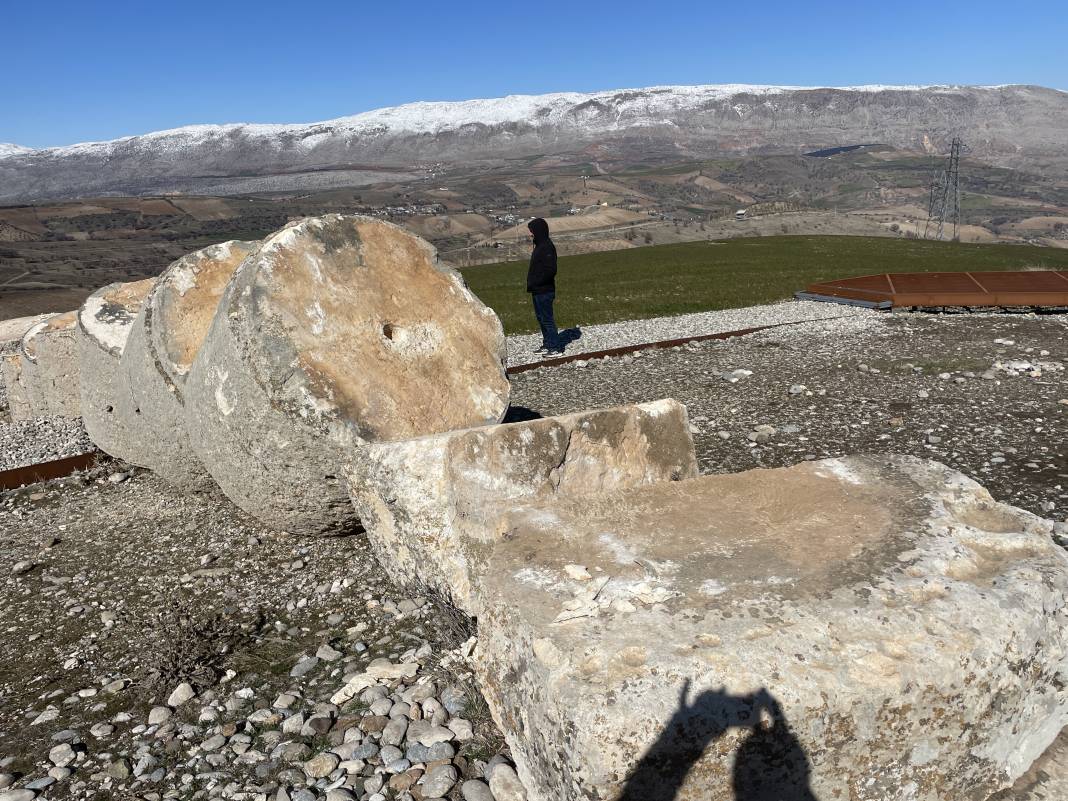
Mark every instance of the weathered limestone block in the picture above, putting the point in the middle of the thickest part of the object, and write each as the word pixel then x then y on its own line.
pixel 864 628
pixel 50 367
pixel 433 506
pixel 165 338
pixel 104 322
pixel 338 331
pixel 11 331
pixel 18 401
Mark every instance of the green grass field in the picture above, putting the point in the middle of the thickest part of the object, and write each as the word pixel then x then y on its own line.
pixel 700 276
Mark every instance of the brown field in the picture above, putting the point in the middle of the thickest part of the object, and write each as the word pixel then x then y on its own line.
pixel 54 254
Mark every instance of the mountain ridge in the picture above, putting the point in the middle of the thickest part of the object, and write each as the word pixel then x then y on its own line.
pixel 1010 125
pixel 725 90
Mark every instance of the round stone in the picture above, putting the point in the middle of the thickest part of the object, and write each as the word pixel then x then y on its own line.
pixel 338 331
pixel 475 790
pixel 322 765
pixel 438 781
pixel 62 755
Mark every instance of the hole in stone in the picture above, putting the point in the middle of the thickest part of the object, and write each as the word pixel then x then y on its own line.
pixel 108 410
pixel 387 330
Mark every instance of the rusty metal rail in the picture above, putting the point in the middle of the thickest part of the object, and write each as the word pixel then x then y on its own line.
pixel 662 344
pixel 1031 288
pixel 45 471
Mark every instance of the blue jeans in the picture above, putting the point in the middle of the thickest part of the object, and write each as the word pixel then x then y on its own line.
pixel 543 310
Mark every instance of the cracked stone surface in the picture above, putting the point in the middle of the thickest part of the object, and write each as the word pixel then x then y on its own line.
pixel 748 635
pixel 108 410
pixel 433 507
pixel 339 330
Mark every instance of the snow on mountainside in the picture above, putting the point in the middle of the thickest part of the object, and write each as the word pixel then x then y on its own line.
pixel 1007 123
pixel 432 117
pixel 8 149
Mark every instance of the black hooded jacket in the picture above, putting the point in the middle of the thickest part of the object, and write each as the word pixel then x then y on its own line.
pixel 541 276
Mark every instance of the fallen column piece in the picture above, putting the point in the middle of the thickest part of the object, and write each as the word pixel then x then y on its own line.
pixel 18 368
pixel 432 506
pixel 11 331
pixel 18 401
pixel 165 338
pixel 104 322
pixel 338 331
pixel 50 369
pixel 873 628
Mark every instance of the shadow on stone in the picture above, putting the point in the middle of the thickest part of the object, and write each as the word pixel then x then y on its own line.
pixel 769 765
pixel 520 414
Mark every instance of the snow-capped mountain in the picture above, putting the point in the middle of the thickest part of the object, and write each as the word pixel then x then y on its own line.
pixel 1018 125
pixel 8 149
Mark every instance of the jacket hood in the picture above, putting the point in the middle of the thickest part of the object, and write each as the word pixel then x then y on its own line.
pixel 540 229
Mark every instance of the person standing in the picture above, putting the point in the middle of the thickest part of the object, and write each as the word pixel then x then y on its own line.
pixel 541 284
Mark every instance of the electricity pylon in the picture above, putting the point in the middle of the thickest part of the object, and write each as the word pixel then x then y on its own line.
pixel 944 205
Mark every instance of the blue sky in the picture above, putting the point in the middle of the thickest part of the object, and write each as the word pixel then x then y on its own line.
pixel 81 71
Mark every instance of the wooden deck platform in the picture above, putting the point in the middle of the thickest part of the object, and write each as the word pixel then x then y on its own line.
pixel 1033 288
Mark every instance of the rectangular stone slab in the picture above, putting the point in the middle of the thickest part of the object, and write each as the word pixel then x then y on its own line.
pixel 864 628
pixel 432 506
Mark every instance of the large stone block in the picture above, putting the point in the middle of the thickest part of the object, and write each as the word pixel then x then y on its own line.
pixel 50 369
pixel 338 331
pixel 11 364
pixel 165 338
pixel 863 628
pixel 18 399
pixel 11 331
pixel 111 418
pixel 433 507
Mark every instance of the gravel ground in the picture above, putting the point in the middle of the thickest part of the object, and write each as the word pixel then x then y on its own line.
pixel 40 440
pixel 114 589
pixel 637 332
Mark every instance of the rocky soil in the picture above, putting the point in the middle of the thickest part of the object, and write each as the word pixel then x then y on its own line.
pixel 171 647
pixel 159 646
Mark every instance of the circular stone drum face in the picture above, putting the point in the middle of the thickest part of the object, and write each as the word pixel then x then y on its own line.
pixel 108 314
pixel 184 302
pixel 380 334
pixel 61 322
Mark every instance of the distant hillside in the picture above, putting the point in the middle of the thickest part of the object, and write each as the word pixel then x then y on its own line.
pixel 1017 126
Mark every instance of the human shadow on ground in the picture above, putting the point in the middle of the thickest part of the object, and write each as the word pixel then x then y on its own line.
pixel 769 765
pixel 520 414
pixel 569 335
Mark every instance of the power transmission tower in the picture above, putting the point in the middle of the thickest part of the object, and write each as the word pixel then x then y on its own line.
pixel 944 204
